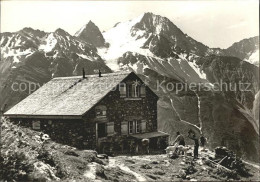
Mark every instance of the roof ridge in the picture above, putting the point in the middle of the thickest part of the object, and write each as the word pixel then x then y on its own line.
pixel 54 99
pixel 94 75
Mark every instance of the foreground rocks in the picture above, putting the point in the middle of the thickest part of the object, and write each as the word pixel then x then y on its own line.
pixel 26 156
pixel 161 168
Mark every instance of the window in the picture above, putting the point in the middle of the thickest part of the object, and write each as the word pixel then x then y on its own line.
pixel 102 130
pixel 110 128
pixel 138 126
pixel 124 128
pixel 122 89
pixel 129 90
pixel 36 125
pixel 134 127
pixel 105 129
pixel 101 111
pixel 143 126
pixel 133 89
pixel 136 90
pixel 50 122
pixel 142 90
pixel 131 127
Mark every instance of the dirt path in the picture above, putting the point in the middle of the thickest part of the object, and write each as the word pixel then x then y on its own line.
pixel 159 168
pixel 91 172
pixel 116 162
pixel 251 164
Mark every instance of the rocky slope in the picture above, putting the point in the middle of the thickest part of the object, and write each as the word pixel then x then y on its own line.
pixel 28 155
pixel 162 168
pixel 91 34
pixel 246 49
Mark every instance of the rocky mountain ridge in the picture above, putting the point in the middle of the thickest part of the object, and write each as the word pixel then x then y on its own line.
pixel 32 57
pixel 246 49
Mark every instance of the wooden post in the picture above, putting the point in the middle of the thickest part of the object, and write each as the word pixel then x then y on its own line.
pixel 97 143
pixel 1 114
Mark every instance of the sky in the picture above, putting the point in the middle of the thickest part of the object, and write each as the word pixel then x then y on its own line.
pixel 214 23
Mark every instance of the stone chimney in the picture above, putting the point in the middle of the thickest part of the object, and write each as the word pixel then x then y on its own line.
pixel 83 73
pixel 99 73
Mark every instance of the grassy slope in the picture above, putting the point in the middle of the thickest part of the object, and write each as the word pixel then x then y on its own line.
pixel 24 157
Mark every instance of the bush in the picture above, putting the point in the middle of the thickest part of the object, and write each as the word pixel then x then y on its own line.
pixel 15 166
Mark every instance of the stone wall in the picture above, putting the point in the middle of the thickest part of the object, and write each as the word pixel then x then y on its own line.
pixel 124 109
pixel 68 132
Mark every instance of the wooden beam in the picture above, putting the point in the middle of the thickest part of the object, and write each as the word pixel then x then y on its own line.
pixel 218 165
pixel 45 116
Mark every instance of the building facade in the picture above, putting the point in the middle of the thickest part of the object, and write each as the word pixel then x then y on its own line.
pixel 115 118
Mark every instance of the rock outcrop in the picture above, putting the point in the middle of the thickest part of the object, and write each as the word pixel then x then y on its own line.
pixel 91 34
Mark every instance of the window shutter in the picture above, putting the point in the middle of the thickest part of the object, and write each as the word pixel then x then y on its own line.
pixel 110 128
pixel 133 90
pixel 137 126
pixel 143 126
pixel 101 111
pixel 143 93
pixel 36 125
pixel 124 128
pixel 122 89
pixel 132 126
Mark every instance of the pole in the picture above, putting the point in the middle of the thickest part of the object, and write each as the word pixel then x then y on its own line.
pixel 1 113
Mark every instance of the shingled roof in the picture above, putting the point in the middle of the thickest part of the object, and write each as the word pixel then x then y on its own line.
pixel 67 96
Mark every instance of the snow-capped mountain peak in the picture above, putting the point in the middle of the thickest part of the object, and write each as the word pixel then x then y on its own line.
pixel 153 23
pixel 149 35
pixel 122 39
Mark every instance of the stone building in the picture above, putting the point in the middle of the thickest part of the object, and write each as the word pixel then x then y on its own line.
pixel 108 112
